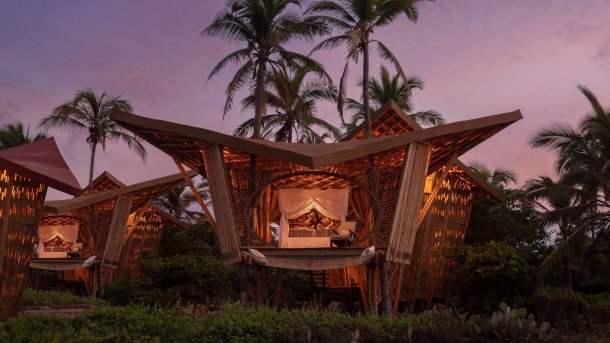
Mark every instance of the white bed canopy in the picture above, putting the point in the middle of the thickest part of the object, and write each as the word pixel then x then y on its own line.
pixel 65 232
pixel 295 202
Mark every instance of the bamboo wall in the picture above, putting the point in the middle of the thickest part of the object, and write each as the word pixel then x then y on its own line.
pixel 428 278
pixel 144 238
pixel 21 202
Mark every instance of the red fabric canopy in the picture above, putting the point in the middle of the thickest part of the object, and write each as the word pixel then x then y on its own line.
pixel 41 161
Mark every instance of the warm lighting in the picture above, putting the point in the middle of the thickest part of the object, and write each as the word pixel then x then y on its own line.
pixel 429 183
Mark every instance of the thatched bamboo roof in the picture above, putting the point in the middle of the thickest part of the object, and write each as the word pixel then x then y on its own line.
pixel 391 120
pixel 141 193
pixel 41 161
pixel 185 142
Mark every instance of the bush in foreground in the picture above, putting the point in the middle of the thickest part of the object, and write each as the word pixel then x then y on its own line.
pixel 234 324
pixel 32 297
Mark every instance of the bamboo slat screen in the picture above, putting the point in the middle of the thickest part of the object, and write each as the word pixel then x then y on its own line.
pixel 116 235
pixel 144 239
pixel 410 199
pixel 428 277
pixel 21 203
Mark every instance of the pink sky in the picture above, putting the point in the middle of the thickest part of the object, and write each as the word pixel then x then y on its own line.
pixel 477 58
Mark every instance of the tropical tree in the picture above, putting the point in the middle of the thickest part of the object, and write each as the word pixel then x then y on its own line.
pixel 354 21
pixel 499 177
pixel 179 200
pixel 263 27
pixel 13 134
pixel 391 88
pixel 90 112
pixel 293 95
pixel 552 199
pixel 583 166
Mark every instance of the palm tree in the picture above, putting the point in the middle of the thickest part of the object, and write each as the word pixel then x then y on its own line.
pixel 499 177
pixel 264 27
pixel 90 112
pixel 293 95
pixel 583 166
pixel 13 134
pixel 391 88
pixel 178 201
pixel 355 21
pixel 557 203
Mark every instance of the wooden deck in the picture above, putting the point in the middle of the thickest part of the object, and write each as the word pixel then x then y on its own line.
pixel 345 252
pixel 57 263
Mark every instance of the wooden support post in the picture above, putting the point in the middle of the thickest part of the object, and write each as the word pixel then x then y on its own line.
pixel 243 284
pixel 263 292
pixel 408 203
pixel 399 285
pixel 385 287
pixel 371 286
pixel 277 292
pixel 220 190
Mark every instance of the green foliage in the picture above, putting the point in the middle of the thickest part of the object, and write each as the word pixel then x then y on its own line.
pixel 490 273
pixel 563 308
pixel 515 222
pixel 185 270
pixel 509 325
pixel 235 324
pixel 14 134
pixel 32 297
pixel 599 299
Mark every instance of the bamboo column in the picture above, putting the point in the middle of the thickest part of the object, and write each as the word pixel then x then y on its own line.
pixel 222 204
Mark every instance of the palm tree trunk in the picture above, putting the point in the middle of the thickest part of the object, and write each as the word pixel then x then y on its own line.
pixel 260 89
pixel 365 90
pixel 91 165
pixel 93 225
pixel 568 257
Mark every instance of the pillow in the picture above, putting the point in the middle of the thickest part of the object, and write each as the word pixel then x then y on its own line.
pixel 89 262
pixel 258 256
pixel 367 255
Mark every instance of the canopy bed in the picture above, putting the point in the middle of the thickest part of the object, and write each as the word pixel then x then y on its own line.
pixel 322 209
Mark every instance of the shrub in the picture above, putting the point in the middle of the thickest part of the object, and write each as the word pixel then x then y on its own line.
pixel 32 297
pixel 563 308
pixel 491 273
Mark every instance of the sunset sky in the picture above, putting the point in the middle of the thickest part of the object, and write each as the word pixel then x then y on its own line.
pixel 477 58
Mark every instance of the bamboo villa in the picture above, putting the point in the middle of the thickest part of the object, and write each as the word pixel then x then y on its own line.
pixel 370 217
pixel 128 224
pixel 26 172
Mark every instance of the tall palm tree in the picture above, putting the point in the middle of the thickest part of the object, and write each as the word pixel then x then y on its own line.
pixel 354 21
pixel 387 88
pixel 90 112
pixel 583 166
pixel 264 27
pixel 292 92
pixel 499 177
pixel 13 134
